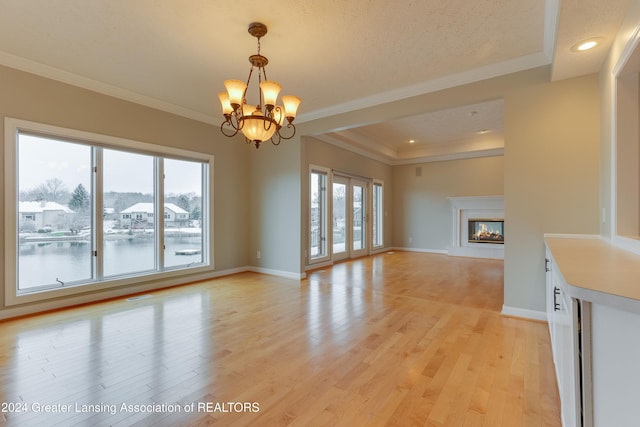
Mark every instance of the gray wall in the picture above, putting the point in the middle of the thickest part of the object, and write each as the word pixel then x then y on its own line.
pixel 29 97
pixel 551 177
pixel 422 211
pixel 274 215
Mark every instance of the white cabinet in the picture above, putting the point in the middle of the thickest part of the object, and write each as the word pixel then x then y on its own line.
pixel 564 330
pixel 599 306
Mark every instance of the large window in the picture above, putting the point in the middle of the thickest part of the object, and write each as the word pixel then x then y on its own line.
pixel 90 211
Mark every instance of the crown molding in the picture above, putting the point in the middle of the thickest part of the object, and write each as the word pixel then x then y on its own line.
pixel 491 152
pixel 396 161
pixel 466 77
pixel 62 76
pixel 346 146
pixel 551 23
pixel 523 63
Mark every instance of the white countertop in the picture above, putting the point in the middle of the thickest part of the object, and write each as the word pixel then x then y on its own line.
pixel 598 271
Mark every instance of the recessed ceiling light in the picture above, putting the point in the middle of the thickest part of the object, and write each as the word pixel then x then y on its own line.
pixel 412 141
pixel 585 45
pixel 483 131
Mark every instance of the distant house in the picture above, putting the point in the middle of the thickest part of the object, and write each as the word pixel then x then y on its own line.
pixel 109 213
pixel 141 215
pixel 41 215
pixel 175 216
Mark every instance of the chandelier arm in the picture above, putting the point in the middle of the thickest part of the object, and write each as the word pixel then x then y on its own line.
pixel 290 125
pixel 235 121
pixel 270 121
pixel 226 124
pixel 239 121
pixel 273 141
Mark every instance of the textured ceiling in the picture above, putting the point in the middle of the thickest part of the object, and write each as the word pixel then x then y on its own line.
pixel 338 56
pixel 439 135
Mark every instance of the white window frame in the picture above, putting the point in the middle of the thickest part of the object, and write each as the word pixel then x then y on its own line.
pixel 380 208
pixel 327 211
pixel 12 128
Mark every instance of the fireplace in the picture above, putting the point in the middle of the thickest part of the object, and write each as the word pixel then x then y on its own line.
pixel 486 230
pixel 478 226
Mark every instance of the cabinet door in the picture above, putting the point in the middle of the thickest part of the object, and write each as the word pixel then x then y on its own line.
pixel 568 360
pixel 553 312
pixel 564 330
pixel 548 266
pixel 566 357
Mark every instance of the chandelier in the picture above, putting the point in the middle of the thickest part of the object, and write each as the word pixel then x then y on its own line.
pixel 266 119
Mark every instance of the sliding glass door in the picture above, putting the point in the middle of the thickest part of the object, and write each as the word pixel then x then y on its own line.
pixel 349 219
pixel 345 216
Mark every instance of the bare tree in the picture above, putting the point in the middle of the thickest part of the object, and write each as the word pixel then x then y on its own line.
pixel 52 190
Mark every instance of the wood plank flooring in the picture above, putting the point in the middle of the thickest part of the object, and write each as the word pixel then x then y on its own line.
pixel 396 339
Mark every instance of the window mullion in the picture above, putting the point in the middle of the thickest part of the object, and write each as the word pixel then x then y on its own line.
pixel 159 222
pixel 96 214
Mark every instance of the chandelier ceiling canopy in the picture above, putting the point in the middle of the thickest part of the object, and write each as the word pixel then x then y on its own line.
pixel 265 120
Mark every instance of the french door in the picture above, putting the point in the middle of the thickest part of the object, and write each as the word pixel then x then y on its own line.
pixel 349 218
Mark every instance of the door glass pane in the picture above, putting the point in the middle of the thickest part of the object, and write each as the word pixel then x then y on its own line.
pixel 377 215
pixel 129 219
pixel 339 217
pixel 54 212
pixel 358 218
pixel 318 238
pixel 182 213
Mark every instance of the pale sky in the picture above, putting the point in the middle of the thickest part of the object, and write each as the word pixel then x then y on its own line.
pixel 41 159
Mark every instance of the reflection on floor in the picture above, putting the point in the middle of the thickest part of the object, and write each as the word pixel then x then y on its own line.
pixel 391 339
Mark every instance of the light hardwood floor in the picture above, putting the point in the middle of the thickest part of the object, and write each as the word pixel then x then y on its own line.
pixel 393 339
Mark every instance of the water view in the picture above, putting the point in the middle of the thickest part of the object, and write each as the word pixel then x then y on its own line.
pixel 49 263
pixel 67 185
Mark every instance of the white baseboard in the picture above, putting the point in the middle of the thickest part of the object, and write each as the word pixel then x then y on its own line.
pixel 428 251
pixel 279 273
pixel 626 243
pixel 318 265
pixel 43 306
pixel 524 313
pixel 48 305
pixel 571 236
pixel 487 251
